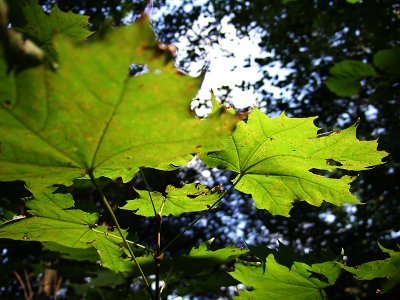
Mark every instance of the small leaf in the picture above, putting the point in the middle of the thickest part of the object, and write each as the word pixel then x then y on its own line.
pixel 190 198
pixel 346 77
pixel 388 60
pixel 54 220
pixel 301 281
pixel 275 157
pixel 29 18
pixel 388 268
pixel 202 259
pixel 32 32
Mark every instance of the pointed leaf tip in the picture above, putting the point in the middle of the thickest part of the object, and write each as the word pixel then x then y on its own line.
pixel 276 156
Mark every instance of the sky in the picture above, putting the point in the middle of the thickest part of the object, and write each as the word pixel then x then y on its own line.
pixel 226 71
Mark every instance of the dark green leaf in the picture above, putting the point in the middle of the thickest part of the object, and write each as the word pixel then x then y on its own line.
pixel 346 77
pixel 388 60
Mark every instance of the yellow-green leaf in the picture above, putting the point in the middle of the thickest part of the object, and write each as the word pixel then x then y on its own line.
pixel 190 198
pixel 278 160
pixel 301 281
pixel 55 220
pixel 90 116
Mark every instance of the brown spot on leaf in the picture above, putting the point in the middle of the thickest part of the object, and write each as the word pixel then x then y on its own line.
pixel 6 103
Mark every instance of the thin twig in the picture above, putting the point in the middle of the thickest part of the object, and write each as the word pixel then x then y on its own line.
pixel 148 191
pixel 114 218
pixel 223 195
pixel 158 257
pixel 119 238
pixel 57 287
pixel 166 280
pixel 22 284
pixel 28 283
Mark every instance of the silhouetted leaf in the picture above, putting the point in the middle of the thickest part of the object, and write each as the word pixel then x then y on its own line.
pixel 346 77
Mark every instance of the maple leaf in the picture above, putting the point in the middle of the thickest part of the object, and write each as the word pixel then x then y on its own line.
pixel 55 220
pixel 90 116
pixel 388 268
pixel 190 198
pixel 301 281
pixel 276 157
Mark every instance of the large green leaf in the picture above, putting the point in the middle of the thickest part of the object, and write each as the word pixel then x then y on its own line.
pixel 388 268
pixel 275 158
pixel 55 220
pixel 90 116
pixel 190 198
pixel 301 281
pixel 346 77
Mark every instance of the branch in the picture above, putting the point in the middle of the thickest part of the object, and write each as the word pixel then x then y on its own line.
pixel 114 218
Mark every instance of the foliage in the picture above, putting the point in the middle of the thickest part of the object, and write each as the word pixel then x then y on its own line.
pixel 275 157
pixel 308 38
pixel 78 113
pixel 388 268
pixel 300 281
pixel 346 76
pixel 189 198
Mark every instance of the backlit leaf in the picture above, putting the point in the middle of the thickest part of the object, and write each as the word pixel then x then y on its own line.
pixel 388 268
pixel 90 116
pixel 301 281
pixel 29 18
pixel 276 157
pixel 190 198
pixel 346 77
pixel 55 220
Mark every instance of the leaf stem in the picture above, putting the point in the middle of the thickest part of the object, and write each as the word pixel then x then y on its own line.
pixel 222 196
pixel 114 218
pixel 157 255
pixel 119 238
pixel 148 191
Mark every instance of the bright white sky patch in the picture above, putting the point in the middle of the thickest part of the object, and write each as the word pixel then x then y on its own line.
pixel 222 70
